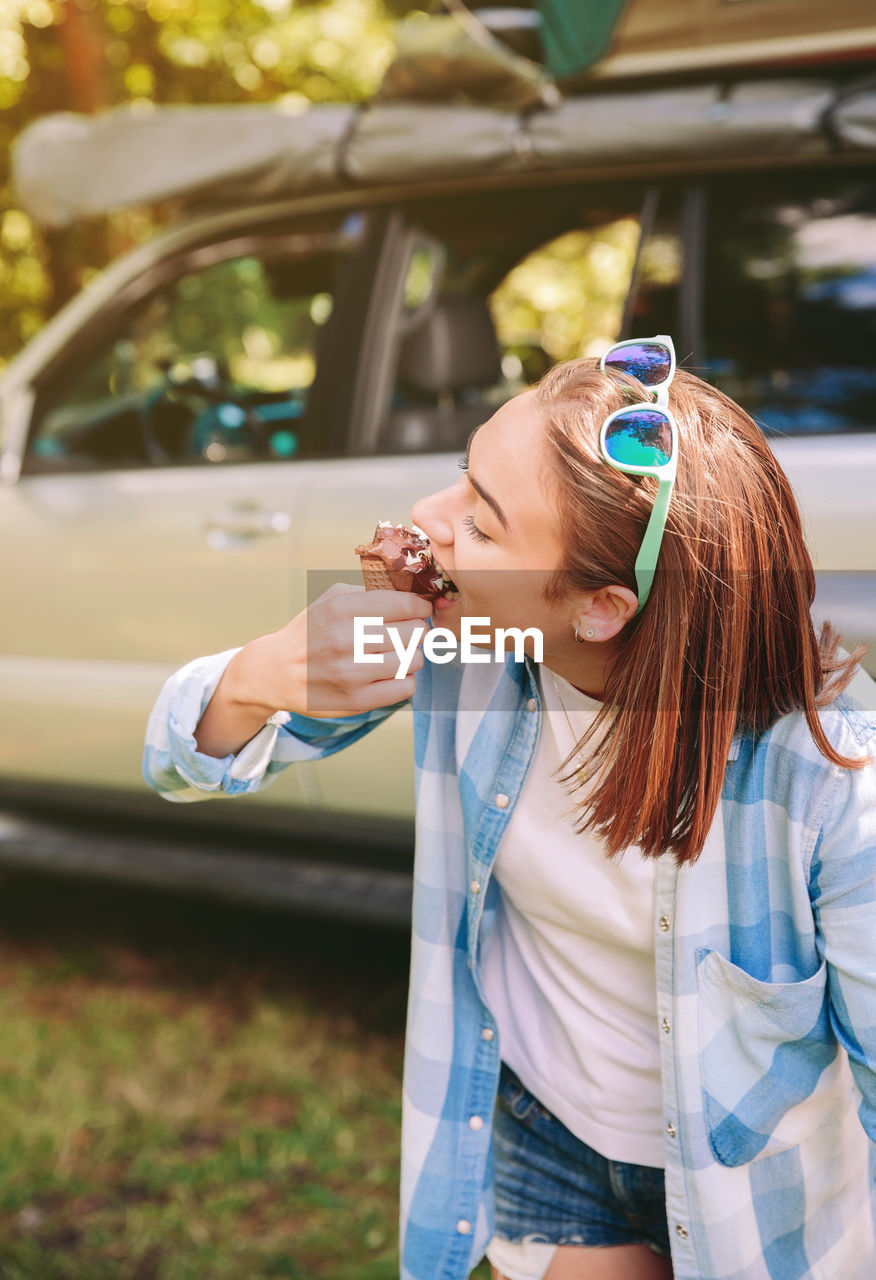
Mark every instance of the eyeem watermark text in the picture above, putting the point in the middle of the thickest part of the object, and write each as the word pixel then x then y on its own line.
pixel 441 645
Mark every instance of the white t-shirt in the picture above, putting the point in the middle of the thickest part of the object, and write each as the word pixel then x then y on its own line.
pixel 569 968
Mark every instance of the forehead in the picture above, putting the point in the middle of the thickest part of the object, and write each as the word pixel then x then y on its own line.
pixel 508 458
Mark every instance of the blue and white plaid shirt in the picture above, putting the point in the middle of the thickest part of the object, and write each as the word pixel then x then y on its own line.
pixel 766 974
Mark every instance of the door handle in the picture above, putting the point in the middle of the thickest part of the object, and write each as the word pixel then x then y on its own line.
pixel 237 526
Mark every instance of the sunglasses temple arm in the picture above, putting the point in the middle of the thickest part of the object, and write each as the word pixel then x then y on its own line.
pixel 646 560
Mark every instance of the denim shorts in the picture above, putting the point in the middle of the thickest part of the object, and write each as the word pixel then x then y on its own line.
pixel 554 1189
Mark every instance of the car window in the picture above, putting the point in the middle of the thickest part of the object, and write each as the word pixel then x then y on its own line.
pixel 565 298
pixel 654 304
pixel 492 302
pixel 213 366
pixel 790 299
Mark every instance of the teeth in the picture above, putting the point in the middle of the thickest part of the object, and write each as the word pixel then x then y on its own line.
pixel 445 585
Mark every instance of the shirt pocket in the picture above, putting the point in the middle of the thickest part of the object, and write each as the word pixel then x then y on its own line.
pixel 764 1048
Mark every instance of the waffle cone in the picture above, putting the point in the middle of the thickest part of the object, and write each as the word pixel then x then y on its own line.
pixel 375 574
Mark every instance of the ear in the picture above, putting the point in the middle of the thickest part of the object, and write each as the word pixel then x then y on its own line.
pixel 604 612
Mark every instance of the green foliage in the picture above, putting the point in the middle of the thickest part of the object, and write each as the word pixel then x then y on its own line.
pixel 567 297
pixel 89 55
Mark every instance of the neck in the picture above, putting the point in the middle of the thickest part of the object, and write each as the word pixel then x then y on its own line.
pixel 586 667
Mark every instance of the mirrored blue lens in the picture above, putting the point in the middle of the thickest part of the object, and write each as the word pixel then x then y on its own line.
pixel 639 438
pixel 650 362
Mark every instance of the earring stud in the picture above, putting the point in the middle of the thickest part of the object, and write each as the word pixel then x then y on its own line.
pixel 588 634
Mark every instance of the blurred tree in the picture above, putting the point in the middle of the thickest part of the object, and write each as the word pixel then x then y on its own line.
pixel 82 40
pixel 86 55
pixel 565 299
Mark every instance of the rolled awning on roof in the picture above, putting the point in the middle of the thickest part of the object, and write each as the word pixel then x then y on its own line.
pixel 67 167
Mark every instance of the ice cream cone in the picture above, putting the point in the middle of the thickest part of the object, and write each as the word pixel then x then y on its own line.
pixel 399 558
pixel 375 574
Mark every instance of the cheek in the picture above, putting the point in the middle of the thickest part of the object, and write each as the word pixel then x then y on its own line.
pixel 514 598
pixel 509 600
pixel 479 567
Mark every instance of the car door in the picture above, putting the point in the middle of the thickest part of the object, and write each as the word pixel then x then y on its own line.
pixel 160 507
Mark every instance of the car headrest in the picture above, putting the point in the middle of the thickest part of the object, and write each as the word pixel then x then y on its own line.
pixel 455 349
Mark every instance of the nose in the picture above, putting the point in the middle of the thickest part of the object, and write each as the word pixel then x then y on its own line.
pixel 434 516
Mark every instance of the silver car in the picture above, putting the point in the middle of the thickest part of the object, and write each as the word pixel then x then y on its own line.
pixel 198 441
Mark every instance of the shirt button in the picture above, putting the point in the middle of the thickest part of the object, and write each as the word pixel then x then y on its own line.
pixel 475 886
pixel 681 1231
pixel 664 924
pixel 666 1026
pixel 476 1122
pixel 464 1226
pixel 487 1033
pixel 531 704
pixel 671 1129
pixel 502 801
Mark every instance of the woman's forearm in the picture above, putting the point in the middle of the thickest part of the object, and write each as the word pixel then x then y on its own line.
pixel 231 717
pixel 309 667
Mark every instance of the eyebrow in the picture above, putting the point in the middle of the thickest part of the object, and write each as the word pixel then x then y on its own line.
pixel 482 493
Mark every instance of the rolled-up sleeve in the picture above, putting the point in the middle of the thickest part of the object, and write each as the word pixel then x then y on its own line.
pixel 173 766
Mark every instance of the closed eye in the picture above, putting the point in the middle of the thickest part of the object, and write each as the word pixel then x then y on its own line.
pixel 476 533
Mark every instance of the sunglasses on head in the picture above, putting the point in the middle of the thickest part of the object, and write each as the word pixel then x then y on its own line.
pixel 642 439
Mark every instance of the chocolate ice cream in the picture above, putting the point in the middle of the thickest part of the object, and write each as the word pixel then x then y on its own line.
pixel 399 557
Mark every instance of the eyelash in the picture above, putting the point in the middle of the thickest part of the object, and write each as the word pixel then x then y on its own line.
pixel 468 521
pixel 476 533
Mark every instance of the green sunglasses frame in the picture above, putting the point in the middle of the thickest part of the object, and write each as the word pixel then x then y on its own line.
pixel 646 560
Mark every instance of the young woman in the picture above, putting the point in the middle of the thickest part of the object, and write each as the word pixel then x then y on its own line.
pixel 643 993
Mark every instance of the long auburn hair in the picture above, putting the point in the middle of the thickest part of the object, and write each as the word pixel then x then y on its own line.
pixel 725 643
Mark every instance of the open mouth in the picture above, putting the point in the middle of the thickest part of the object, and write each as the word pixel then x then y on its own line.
pixel 441 585
pixel 447 588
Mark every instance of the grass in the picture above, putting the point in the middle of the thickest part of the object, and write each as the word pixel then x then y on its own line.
pixel 192 1091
